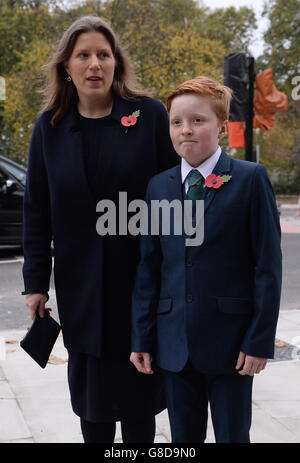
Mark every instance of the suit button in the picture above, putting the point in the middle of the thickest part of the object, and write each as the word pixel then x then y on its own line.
pixel 189 298
pixel 189 263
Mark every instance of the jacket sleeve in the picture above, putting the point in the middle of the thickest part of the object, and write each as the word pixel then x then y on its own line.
pixel 166 155
pixel 146 290
pixel 265 235
pixel 37 232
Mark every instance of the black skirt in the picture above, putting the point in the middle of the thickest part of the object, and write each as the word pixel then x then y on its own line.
pixel 111 389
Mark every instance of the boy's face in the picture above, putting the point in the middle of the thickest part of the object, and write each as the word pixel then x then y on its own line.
pixel 195 129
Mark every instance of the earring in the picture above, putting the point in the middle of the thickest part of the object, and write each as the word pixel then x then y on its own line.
pixel 69 78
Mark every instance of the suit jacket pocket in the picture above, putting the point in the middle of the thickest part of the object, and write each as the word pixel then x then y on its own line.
pixel 232 305
pixel 164 305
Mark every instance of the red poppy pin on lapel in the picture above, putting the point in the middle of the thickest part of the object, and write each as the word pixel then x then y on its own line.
pixel 215 181
pixel 127 121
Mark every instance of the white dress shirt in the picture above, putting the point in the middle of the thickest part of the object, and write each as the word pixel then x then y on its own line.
pixel 205 168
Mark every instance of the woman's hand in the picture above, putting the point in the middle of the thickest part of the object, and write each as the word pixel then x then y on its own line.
pixel 37 302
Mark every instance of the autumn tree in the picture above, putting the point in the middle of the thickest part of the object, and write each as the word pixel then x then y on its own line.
pixel 24 99
pixel 29 29
pixel 168 41
pixel 282 39
pixel 21 22
pixel 162 54
pixel 281 145
pixel 165 53
pixel 233 27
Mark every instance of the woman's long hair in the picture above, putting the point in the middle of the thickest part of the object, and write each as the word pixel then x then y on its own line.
pixel 59 93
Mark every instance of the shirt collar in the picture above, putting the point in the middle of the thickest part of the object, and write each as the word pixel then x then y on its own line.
pixel 205 168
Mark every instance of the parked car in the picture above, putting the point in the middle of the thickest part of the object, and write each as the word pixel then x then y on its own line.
pixel 12 185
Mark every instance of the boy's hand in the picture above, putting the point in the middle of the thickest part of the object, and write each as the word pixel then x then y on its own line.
pixel 142 362
pixel 251 365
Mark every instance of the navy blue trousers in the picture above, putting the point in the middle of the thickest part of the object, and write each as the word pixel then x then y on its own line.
pixel 188 394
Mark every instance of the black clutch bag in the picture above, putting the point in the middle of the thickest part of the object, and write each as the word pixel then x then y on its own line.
pixel 40 338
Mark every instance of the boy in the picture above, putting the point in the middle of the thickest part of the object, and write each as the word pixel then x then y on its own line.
pixel 208 313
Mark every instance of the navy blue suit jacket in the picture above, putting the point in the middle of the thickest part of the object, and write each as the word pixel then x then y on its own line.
pixel 211 301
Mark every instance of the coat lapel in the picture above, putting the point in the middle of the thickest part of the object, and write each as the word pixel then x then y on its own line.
pixel 222 167
pixel 73 150
pixel 175 188
pixel 175 192
pixel 111 142
pixel 75 143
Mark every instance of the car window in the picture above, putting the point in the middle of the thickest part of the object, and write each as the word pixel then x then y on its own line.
pixel 2 177
pixel 2 181
pixel 19 174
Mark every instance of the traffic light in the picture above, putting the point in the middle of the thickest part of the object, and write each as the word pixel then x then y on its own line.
pixel 246 111
pixel 236 78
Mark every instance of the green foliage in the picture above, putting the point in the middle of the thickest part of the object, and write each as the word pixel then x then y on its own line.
pixel 164 55
pixel 18 28
pixel 233 27
pixel 280 147
pixel 162 38
pixel 282 37
pixel 23 99
pixel 168 41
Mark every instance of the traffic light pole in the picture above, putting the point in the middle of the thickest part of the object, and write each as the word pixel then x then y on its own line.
pixel 250 154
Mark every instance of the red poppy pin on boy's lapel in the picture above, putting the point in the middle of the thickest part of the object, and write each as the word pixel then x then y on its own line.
pixel 215 181
pixel 127 121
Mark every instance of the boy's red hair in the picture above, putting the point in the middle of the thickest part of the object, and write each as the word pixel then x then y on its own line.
pixel 220 95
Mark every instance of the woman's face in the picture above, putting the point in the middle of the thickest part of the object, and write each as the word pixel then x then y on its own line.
pixel 92 66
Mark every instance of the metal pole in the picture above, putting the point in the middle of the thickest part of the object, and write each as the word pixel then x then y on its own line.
pixel 250 155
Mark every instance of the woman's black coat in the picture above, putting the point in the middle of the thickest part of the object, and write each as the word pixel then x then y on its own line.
pixel 94 275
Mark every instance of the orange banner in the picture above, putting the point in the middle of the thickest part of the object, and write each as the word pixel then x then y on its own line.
pixel 236 135
pixel 267 100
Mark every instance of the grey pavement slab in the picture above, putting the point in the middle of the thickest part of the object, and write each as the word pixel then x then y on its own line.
pixel 276 394
pixel 12 423
pixel 290 277
pixel 288 330
pixel 42 394
pixel 5 391
pixel 13 426
pixel 35 403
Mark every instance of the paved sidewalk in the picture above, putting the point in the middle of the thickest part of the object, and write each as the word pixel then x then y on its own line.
pixel 291 223
pixel 35 404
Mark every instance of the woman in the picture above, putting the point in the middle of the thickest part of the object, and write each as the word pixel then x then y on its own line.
pixel 85 147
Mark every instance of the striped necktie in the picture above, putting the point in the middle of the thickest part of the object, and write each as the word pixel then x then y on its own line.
pixel 195 191
pixel 195 182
